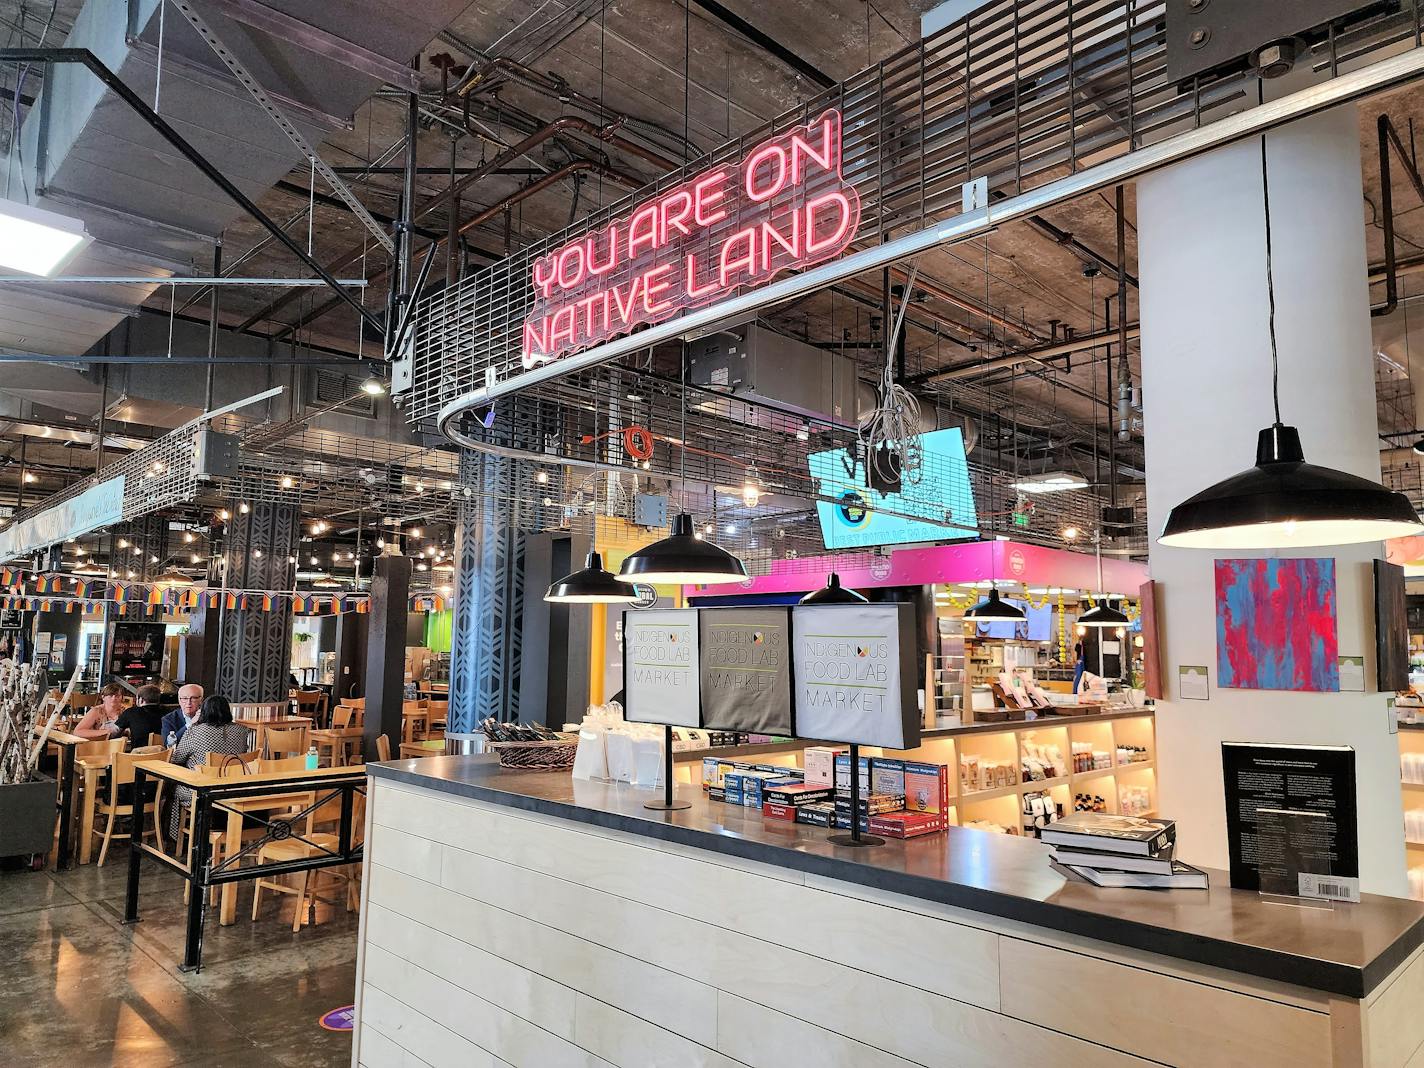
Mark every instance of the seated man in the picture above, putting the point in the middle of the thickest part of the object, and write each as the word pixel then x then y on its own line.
pixel 144 718
pixel 176 722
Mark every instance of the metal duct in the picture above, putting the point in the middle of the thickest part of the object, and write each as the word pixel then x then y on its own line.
pixel 84 153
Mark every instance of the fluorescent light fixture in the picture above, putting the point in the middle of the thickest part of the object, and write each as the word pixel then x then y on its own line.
pixel 1051 482
pixel 36 241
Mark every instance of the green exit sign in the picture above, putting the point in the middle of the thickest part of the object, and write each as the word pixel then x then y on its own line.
pixel 1020 519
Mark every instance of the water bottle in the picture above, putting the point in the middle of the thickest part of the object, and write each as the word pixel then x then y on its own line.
pixel 312 759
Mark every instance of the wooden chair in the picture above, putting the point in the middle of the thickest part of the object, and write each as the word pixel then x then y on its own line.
pixel 309 704
pixel 104 747
pixel 121 773
pixel 313 841
pixel 341 717
pixel 415 721
pixel 266 764
pixel 383 747
pixel 292 742
pixel 78 701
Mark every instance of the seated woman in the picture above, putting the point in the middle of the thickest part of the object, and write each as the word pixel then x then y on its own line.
pixel 98 722
pixel 214 732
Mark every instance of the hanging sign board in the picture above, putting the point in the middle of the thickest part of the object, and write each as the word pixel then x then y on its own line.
pixel 746 670
pixel 96 507
pixel 1291 825
pixel 782 207
pixel 661 681
pixel 855 674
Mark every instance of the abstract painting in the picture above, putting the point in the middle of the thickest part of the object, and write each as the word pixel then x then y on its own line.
pixel 1275 625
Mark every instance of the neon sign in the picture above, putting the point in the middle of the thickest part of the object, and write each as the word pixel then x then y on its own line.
pixel 783 207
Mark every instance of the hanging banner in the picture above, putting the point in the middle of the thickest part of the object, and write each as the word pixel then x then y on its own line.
pixel 783 207
pixel 96 507
pixel 746 670
pixel 660 667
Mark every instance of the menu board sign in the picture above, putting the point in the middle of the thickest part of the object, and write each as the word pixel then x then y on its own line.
pixel 660 667
pixel 855 674
pixel 746 670
pixel 1291 823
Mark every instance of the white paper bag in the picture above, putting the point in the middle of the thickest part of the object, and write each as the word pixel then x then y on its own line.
pixel 619 747
pixel 591 761
pixel 647 762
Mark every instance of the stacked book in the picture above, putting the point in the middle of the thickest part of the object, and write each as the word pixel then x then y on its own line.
pixel 1120 851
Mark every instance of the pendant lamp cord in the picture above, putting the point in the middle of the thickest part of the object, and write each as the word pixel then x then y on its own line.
pixel 1270 286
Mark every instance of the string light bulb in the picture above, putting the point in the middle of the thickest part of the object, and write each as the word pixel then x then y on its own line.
pixel 242 507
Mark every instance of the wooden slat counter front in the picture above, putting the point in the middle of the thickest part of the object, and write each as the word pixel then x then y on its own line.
pixel 523 917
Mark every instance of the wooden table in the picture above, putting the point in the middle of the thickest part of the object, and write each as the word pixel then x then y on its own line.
pixel 235 796
pixel 428 748
pixel 259 727
pixel 338 737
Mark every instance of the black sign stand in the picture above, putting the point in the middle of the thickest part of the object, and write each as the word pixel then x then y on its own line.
pixel 667 804
pixel 855 838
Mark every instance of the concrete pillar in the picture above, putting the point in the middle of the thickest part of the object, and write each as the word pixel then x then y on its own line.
pixel 1207 390
pixel 255 647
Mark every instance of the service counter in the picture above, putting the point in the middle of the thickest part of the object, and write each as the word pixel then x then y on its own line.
pixel 523 917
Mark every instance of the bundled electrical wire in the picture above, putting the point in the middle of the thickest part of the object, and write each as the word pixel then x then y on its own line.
pixel 889 434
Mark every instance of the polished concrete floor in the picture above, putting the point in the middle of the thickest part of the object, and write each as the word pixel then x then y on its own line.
pixel 77 988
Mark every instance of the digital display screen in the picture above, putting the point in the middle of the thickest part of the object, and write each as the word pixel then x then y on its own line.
pixel 934 503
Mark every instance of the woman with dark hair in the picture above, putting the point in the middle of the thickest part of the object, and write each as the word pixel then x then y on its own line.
pixel 213 732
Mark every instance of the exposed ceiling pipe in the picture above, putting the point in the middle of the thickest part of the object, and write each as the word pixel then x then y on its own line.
pixel 1014 359
pixel 522 193
pixel 560 125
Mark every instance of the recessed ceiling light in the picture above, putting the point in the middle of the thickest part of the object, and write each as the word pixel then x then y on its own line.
pixel 37 241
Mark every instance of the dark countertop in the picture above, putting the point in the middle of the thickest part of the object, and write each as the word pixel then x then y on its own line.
pixel 1347 950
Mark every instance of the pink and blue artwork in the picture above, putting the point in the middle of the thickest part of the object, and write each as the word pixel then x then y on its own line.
pixel 1275 625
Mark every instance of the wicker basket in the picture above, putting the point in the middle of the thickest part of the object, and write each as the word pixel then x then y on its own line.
pixel 536 756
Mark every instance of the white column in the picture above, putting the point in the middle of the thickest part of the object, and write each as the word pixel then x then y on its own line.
pixel 1207 391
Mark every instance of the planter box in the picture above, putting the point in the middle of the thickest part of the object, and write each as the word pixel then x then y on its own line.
pixel 27 815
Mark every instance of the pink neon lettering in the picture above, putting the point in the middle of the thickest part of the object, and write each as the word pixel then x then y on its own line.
pixel 777 155
pixel 643 230
pixel 706 192
pixel 801 149
pixel 625 311
pixel 596 268
pixel 727 263
pixel 676 219
pixel 587 305
pixel 579 272
pixel 771 235
pixel 842 203
pixel 564 332
pixel 536 342
pixel 544 274
pixel 652 288
pixel 690 287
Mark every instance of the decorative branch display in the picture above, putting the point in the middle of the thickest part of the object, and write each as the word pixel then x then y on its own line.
pixel 24 708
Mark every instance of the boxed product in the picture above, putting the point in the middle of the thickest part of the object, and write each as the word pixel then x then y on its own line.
pixel 843 775
pixel 872 805
pixel 906 824
pixel 820 761
pixel 887 776
pixel 842 822
pixel 774 810
pixel 926 788
pixel 714 770
pixel 732 796
pixel 716 793
pixel 817 814
pixel 797 793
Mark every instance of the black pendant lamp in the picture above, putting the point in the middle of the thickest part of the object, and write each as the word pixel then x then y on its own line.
pixel 683 558
pixel 1284 502
pixel 994 610
pixel 591 585
pixel 833 593
pixel 1103 614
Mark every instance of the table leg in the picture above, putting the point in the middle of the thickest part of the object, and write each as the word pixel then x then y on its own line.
pixel 197 886
pixel 231 845
pixel 86 818
pixel 65 857
pixel 135 845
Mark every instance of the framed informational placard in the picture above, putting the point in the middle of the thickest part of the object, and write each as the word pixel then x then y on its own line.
pixel 854 668
pixel 661 682
pixel 746 670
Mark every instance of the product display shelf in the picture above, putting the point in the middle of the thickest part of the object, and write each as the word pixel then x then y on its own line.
pixel 1411 750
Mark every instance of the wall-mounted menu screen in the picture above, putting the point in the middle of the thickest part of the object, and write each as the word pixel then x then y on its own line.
pixel 855 674
pixel 660 667
pixel 746 670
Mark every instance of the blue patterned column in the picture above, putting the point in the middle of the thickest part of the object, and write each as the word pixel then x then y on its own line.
pixel 489 589
pixel 255 647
